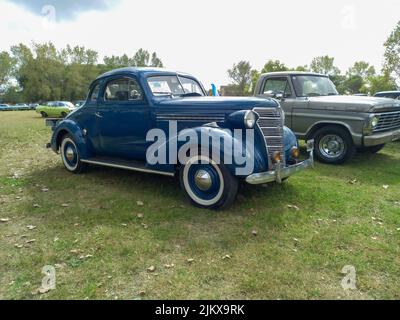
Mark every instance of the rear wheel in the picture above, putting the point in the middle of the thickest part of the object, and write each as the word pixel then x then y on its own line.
pixel 207 184
pixel 373 149
pixel 70 155
pixel 63 114
pixel 333 145
pixel 44 114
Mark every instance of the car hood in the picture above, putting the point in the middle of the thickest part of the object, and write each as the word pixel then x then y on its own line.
pixel 354 103
pixel 218 103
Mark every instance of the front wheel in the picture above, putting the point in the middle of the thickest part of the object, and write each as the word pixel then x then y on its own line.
pixel 70 155
pixel 207 184
pixel 333 145
pixel 44 114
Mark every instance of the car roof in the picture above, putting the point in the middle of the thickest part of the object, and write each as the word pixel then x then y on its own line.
pixel 294 73
pixel 142 71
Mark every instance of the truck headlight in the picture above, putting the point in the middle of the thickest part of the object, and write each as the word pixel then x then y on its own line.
pixel 374 120
pixel 250 119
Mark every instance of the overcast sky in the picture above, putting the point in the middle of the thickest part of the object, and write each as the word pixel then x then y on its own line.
pixel 206 37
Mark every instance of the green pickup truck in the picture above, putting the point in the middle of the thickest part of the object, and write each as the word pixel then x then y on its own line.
pixel 340 125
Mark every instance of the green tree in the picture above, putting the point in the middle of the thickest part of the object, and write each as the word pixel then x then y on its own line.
pixel 241 75
pixel 274 66
pixel 6 67
pixel 392 52
pixel 362 69
pixel 324 65
pixel 379 83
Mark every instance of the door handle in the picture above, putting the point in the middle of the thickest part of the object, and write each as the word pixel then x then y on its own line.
pixel 98 115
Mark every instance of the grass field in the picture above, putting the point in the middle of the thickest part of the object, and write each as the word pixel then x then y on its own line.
pixel 104 229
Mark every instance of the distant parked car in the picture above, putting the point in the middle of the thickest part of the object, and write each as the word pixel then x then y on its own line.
pixel 79 103
pixel 360 95
pixel 59 109
pixel 21 107
pixel 33 106
pixel 388 94
pixel 5 107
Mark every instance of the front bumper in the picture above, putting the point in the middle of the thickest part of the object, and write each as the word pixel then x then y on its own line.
pixel 281 173
pixel 381 138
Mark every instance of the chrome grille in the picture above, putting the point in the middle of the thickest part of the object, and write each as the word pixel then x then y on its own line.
pixel 271 126
pixel 388 121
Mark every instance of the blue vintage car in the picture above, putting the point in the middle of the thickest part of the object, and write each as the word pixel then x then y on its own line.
pixel 158 121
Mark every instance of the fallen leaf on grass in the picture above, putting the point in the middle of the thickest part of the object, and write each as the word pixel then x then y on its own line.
pixel 254 233
pixel 151 269
pixel 86 257
pixel 140 215
pixel 30 241
pixel 227 257
pixel 19 246
pixel 140 203
pixel 296 240
pixel 190 261
pixel 169 266
pixel 142 293
pixel 124 225
pixel 374 238
pixel 36 205
pixel 385 187
pixel 291 206
pixel 65 205
pixel 45 190
pixel 145 226
pixel 31 227
pixel 353 181
pixel 4 220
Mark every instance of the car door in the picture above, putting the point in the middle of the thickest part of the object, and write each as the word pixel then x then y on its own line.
pixel 123 119
pixel 279 87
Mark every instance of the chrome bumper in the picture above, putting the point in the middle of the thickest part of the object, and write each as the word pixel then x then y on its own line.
pixel 280 173
pixel 381 138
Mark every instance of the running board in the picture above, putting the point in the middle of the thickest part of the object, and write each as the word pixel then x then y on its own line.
pixel 124 164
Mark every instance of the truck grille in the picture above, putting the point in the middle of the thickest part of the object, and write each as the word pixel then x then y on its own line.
pixel 271 126
pixel 388 121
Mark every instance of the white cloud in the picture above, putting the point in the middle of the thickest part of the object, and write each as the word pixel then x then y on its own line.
pixel 205 38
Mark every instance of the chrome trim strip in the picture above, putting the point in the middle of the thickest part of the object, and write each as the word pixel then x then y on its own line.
pixel 112 165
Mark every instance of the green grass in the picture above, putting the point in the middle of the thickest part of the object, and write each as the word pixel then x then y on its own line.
pixel 296 254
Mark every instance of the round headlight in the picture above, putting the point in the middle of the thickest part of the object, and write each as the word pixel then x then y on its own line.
pixel 374 121
pixel 250 119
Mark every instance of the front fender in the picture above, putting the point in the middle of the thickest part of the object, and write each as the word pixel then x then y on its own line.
pixel 72 128
pixel 221 142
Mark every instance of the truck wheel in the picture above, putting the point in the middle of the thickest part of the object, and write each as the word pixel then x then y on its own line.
pixel 70 155
pixel 333 145
pixel 63 114
pixel 44 114
pixel 374 149
pixel 207 184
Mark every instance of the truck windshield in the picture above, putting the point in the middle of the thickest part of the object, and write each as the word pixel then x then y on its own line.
pixel 310 86
pixel 174 86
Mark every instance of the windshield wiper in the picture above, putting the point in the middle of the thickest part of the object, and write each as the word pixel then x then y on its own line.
pixel 190 94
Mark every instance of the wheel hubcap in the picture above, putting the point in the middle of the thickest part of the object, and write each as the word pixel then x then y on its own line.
pixel 203 180
pixel 332 146
pixel 70 154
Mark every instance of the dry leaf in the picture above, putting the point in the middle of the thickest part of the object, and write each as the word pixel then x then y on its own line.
pixel 254 233
pixel 385 186
pixel 31 241
pixel 45 190
pixel 190 260
pixel 354 181
pixel 31 227
pixel 142 293
pixel 151 269
pixel 140 215
pixel 140 203
pixel 169 266
pixel 296 240
pixel 19 246
pixel 65 205
pixel 4 220
pixel 145 226
pixel 36 205
pixel 124 225
pixel 290 206
pixel 227 257
pixel 44 290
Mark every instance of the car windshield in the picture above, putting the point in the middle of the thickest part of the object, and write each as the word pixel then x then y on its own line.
pixel 310 86
pixel 174 86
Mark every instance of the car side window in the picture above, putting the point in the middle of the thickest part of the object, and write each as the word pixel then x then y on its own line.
pixel 277 85
pixel 123 90
pixel 95 93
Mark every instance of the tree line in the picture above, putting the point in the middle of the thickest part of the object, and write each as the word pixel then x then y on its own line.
pixel 42 73
pixel 360 78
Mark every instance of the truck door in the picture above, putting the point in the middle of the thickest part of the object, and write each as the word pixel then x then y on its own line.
pixel 280 88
